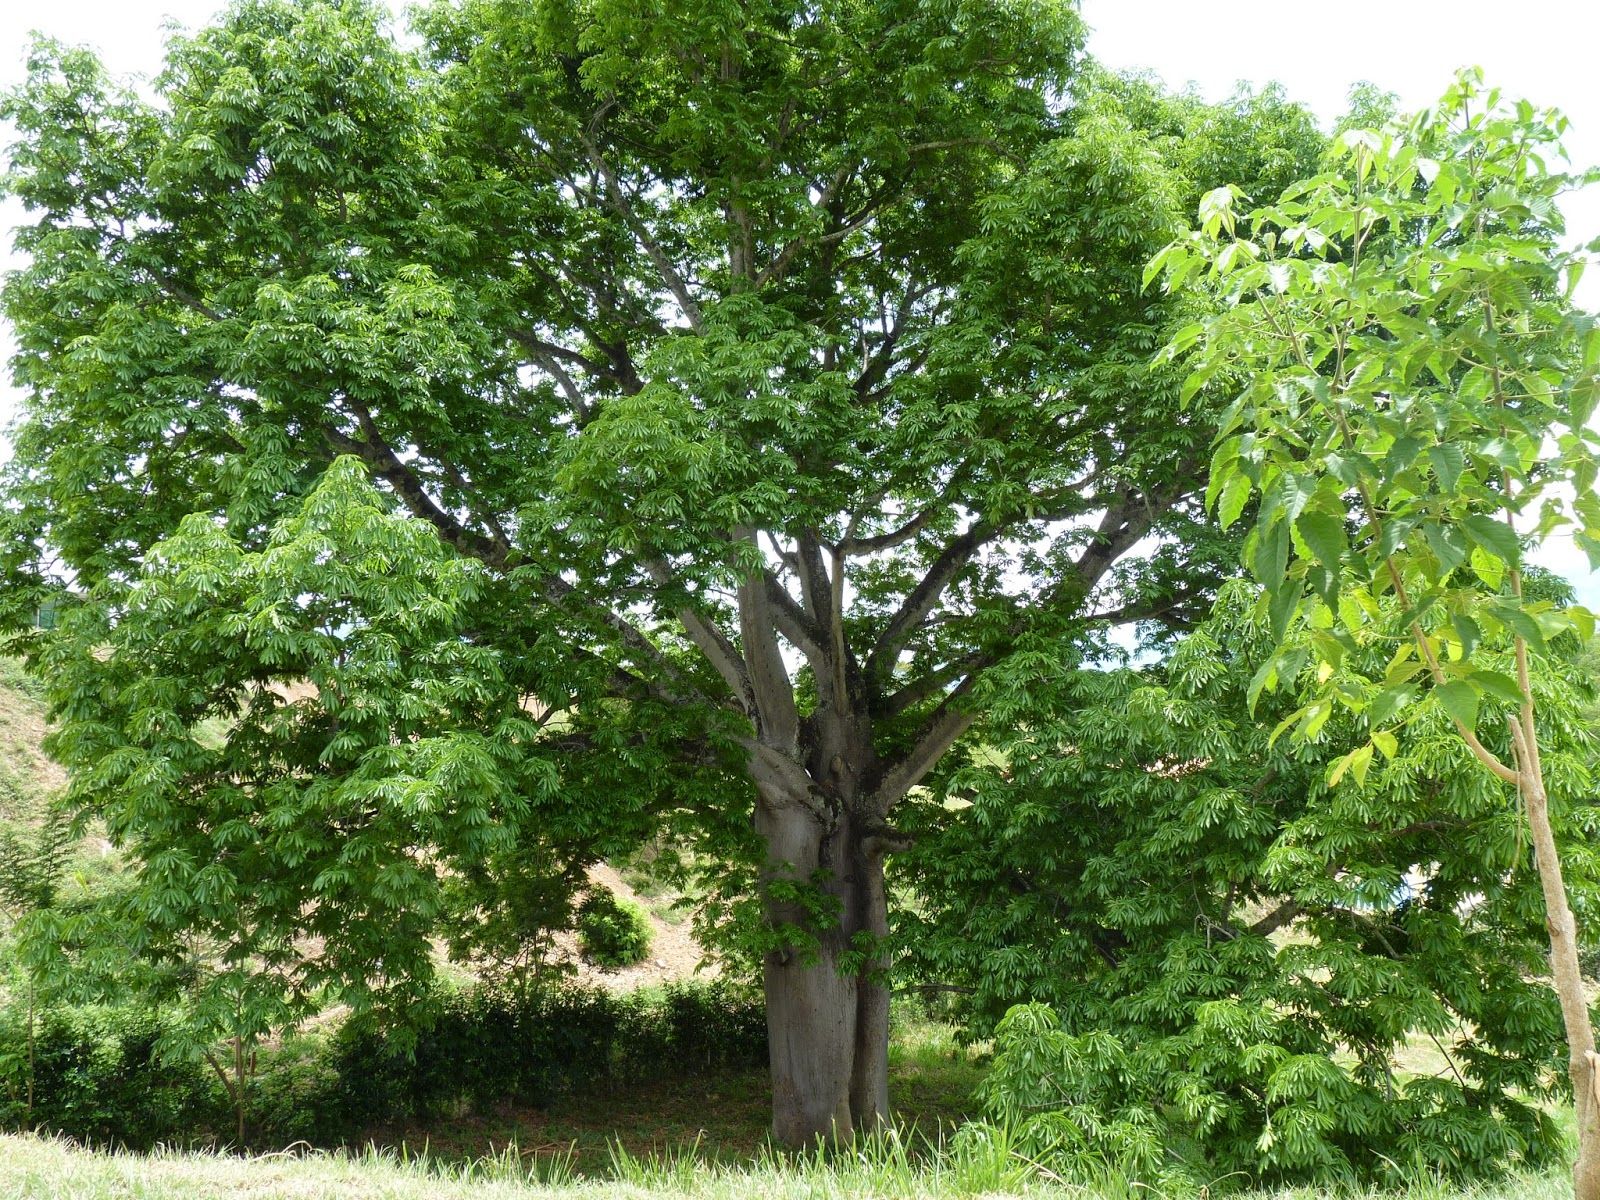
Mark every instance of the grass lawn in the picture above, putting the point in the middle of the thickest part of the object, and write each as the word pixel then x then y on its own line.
pixel 702 1138
pixel 38 1169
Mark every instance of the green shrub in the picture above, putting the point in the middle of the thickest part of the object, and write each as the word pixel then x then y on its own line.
pixel 613 932
pixel 98 1076
pixel 1226 1097
pixel 486 1048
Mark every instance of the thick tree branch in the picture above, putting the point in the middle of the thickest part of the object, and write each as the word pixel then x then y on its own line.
pixel 777 718
pixel 719 651
pixel 927 686
pixel 387 465
pixel 1121 525
pixel 1276 919
pixel 793 622
pixel 545 357
pixel 938 734
pixel 1146 610
pixel 925 597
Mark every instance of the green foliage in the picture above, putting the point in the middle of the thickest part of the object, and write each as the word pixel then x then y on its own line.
pixel 501 915
pixel 483 1049
pixel 1417 389
pixel 110 1076
pixel 1245 961
pixel 1403 330
pixel 359 725
pixel 613 932
pixel 99 1074
pixel 602 322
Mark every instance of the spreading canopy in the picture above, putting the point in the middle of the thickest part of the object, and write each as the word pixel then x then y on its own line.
pixel 778 369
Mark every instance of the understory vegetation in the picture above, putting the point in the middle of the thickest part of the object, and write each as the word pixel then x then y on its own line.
pixel 108 1076
pixel 613 932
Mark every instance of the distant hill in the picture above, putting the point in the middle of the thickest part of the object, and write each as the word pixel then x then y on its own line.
pixel 27 776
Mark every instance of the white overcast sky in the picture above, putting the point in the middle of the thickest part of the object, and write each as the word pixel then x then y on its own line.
pixel 1545 50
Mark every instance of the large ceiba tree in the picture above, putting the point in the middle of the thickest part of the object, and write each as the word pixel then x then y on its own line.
pixel 737 383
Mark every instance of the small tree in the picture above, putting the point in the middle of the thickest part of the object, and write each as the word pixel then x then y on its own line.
pixel 1417 390
pixel 31 863
pixel 1130 850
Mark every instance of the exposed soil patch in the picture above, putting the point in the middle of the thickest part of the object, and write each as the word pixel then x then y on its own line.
pixel 674 953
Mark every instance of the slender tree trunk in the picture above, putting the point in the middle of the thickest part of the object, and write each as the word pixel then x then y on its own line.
pixel 33 996
pixel 1566 975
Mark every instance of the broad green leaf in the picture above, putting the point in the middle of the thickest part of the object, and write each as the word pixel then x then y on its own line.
pixel 1493 683
pixel 1360 762
pixel 1448 546
pixel 1487 567
pixel 1447 462
pixel 1467 632
pixel 1271 558
pixel 1324 533
pixel 1459 699
pixel 1496 537
pixel 1235 495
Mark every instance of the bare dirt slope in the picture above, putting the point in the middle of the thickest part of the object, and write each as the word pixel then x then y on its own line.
pixel 674 953
pixel 26 775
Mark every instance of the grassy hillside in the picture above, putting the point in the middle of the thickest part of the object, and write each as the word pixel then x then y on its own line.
pixel 29 784
pixel 26 775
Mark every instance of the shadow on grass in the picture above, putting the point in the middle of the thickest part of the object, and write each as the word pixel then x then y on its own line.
pixel 707 1120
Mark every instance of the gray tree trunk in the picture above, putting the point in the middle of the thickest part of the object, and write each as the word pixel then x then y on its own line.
pixel 827 1019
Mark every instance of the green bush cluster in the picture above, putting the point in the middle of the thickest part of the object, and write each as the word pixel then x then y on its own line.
pixel 1228 1098
pixel 100 1076
pixel 1237 959
pixel 488 1049
pixel 613 932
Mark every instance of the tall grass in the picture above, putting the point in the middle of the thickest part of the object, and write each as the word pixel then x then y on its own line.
pixel 893 1164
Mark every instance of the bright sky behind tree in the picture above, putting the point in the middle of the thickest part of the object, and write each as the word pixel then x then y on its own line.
pixel 1540 49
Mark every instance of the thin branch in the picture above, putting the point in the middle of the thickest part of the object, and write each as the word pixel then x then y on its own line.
pixel 780 262
pixel 855 547
pixel 617 198
pixel 926 596
pixel 877 367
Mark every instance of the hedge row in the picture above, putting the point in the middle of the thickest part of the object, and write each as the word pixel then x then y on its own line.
pixel 98 1075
